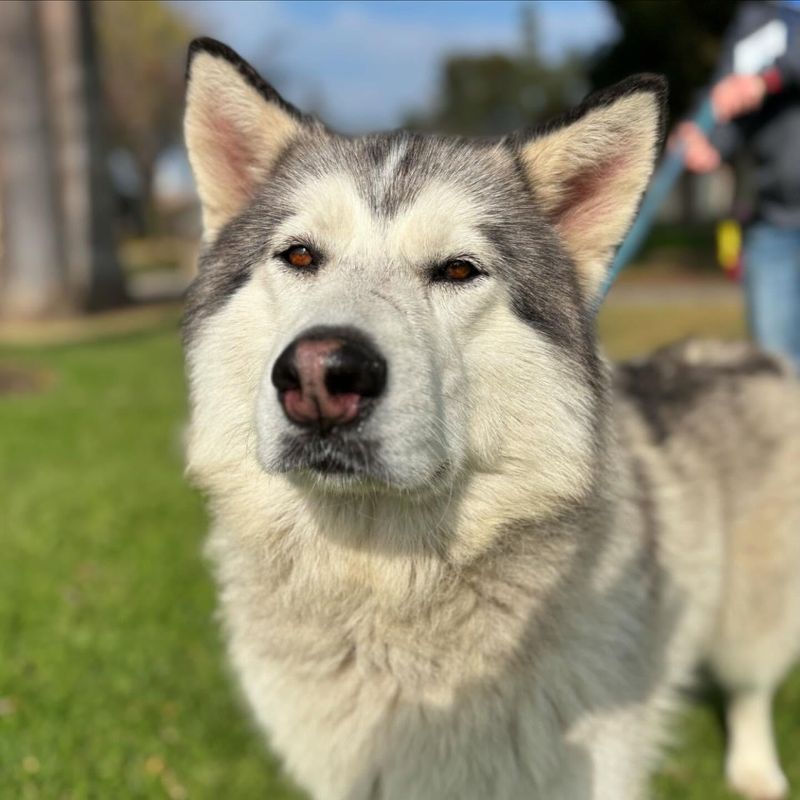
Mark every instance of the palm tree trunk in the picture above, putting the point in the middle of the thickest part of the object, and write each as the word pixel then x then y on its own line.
pixel 86 199
pixel 33 277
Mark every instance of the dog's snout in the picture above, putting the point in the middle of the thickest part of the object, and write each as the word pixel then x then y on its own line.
pixel 328 377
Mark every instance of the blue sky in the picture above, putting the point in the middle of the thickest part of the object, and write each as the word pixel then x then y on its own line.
pixel 364 65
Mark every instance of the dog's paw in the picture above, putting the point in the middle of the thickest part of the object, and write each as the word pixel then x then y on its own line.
pixel 757 781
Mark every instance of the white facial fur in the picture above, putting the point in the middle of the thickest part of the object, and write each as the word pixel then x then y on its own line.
pixel 470 386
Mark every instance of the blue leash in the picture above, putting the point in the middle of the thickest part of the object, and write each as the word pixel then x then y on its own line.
pixel 664 179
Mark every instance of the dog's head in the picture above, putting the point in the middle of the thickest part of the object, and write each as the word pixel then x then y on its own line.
pixel 399 312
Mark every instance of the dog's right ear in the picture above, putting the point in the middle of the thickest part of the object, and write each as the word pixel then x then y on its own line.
pixel 235 126
pixel 589 169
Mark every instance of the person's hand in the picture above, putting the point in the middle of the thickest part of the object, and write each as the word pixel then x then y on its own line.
pixel 698 153
pixel 737 95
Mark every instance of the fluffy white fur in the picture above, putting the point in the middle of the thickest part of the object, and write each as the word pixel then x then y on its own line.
pixel 506 614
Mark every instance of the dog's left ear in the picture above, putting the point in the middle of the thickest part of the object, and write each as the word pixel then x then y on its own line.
pixel 236 126
pixel 588 170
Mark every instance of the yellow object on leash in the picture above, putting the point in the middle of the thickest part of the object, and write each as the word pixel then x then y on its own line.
pixel 729 247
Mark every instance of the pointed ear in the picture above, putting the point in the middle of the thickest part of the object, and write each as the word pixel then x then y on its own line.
pixel 588 170
pixel 235 126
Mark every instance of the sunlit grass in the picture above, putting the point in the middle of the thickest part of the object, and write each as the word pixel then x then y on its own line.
pixel 111 674
pixel 633 329
pixel 112 679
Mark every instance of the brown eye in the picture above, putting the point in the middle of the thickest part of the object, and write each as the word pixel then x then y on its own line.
pixel 299 256
pixel 457 271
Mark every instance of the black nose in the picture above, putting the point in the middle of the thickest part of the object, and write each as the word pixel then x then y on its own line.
pixel 329 376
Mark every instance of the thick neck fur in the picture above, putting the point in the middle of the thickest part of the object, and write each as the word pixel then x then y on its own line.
pixel 482 567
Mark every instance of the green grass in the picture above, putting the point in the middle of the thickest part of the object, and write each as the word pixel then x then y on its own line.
pixel 633 329
pixel 111 672
pixel 112 679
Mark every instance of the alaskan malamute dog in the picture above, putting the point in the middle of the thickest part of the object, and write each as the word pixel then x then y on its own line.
pixel 459 556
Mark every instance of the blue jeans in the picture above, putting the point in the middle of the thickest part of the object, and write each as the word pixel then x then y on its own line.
pixel 772 286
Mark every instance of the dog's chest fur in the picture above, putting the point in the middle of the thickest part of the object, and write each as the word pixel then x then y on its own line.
pixel 362 662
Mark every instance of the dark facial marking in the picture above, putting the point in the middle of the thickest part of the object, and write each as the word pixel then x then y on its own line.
pixel 339 454
pixel 227 264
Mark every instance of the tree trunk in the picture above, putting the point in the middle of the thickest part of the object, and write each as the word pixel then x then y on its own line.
pixel 147 174
pixel 34 282
pixel 87 203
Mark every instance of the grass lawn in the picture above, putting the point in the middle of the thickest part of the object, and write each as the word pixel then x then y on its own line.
pixel 112 680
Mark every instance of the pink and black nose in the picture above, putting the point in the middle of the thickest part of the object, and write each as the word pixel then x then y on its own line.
pixel 328 377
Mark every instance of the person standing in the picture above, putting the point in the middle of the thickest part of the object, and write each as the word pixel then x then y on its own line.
pixel 756 100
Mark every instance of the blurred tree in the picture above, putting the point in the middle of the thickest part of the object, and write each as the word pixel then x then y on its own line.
pixel 58 246
pixel 498 92
pixel 143 60
pixel 679 39
pixel 34 282
pixel 76 112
